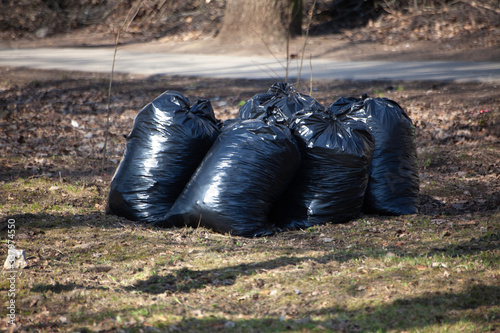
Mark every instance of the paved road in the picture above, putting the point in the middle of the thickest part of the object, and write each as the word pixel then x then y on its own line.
pixel 147 63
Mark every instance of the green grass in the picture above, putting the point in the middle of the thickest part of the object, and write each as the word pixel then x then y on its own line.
pixel 374 274
pixel 45 195
pixel 182 278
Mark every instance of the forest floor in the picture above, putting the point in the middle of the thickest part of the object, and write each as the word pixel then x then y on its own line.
pixel 434 271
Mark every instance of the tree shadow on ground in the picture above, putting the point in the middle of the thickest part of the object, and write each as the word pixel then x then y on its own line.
pixel 445 309
pixel 185 280
pixel 57 169
pixel 429 205
pixel 32 224
pixel 59 288
pixel 413 312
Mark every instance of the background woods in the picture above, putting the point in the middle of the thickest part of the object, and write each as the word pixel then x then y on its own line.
pixel 385 21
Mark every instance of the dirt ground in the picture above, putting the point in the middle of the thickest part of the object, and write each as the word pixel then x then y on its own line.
pixel 88 272
pixel 51 114
pixel 37 107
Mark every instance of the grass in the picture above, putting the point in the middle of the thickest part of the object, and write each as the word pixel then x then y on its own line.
pixel 33 195
pixel 437 271
pixel 93 272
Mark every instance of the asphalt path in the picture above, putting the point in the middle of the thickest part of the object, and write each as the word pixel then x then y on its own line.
pixel 99 59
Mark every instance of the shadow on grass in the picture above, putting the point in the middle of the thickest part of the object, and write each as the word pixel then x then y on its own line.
pixel 421 311
pixel 185 280
pixel 409 313
pixel 400 315
pixel 412 313
pixel 37 223
pixel 429 205
pixel 485 243
pixel 59 288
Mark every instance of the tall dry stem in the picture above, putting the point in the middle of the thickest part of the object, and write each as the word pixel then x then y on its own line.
pixel 126 24
pixel 305 41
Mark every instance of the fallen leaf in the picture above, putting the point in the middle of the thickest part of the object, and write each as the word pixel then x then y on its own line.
pixel 445 233
pixel 467 223
pixel 438 221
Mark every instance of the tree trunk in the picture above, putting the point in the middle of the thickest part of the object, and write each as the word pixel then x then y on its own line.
pixel 247 21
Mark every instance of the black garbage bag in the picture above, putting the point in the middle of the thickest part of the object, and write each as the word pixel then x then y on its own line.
pixel 331 181
pixel 394 184
pixel 167 143
pixel 278 104
pixel 241 177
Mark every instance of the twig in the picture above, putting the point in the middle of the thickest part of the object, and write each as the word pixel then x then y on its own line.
pixel 395 13
pixel 311 70
pixel 287 55
pixel 389 9
pixel 199 222
pixel 481 6
pixel 270 51
pixel 121 31
pixel 276 77
pixel 305 41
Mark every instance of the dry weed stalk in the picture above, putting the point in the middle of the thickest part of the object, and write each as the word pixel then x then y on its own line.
pixel 126 24
pixel 305 42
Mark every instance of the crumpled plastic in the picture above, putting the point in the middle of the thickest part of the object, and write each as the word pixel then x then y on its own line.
pixel 241 177
pixel 167 143
pixel 278 104
pixel 331 182
pixel 393 186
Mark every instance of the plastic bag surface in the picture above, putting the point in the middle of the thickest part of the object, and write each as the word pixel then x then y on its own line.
pixel 393 185
pixel 167 143
pixel 278 104
pixel 331 182
pixel 241 177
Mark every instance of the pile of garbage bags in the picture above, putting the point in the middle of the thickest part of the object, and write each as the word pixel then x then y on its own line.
pixel 286 162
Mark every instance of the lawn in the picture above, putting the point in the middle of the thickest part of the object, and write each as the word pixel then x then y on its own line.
pixel 438 271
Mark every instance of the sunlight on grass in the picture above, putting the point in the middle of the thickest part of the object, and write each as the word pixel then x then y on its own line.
pixel 43 195
pixel 187 280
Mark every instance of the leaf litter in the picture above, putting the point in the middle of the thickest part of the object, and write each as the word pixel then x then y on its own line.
pixel 438 270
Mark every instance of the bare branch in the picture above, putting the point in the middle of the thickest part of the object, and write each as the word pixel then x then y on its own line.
pixel 123 29
pixel 305 41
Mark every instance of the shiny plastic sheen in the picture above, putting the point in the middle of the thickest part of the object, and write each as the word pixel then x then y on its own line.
pixel 331 181
pixel 278 104
pixel 393 186
pixel 238 182
pixel 167 143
